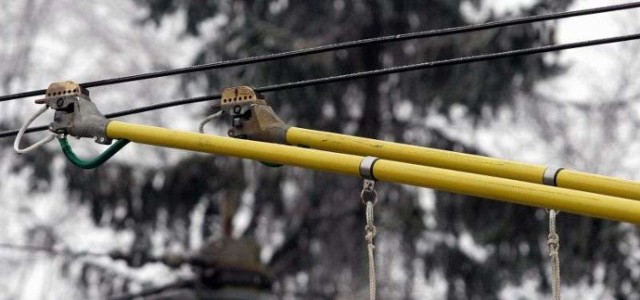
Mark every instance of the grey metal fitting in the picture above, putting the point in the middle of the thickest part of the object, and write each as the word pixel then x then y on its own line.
pixel 366 167
pixel 550 175
pixel 251 117
pixel 77 116
pixel 258 122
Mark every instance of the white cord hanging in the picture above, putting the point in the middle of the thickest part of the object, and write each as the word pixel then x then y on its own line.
pixel 369 198
pixel 370 234
pixel 16 143
pixel 554 246
pixel 207 120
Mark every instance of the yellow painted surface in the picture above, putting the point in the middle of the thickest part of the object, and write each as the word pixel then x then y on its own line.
pixel 273 153
pixel 515 191
pixel 413 154
pixel 461 162
pixel 599 184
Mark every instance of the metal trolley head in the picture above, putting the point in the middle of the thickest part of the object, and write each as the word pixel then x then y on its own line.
pixel 251 117
pixel 75 114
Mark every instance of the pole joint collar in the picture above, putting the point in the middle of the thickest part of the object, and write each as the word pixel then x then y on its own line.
pixel 366 167
pixel 550 176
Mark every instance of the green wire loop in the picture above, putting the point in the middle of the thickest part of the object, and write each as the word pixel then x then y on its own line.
pixel 91 163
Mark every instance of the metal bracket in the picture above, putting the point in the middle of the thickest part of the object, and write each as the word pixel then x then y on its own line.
pixel 368 193
pixel 550 175
pixel 251 117
pixel 366 167
pixel 75 114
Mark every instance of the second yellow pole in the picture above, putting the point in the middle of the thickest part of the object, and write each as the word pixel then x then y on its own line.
pixel 461 162
pixel 514 191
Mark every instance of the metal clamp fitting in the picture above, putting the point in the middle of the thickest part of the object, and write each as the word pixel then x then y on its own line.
pixel 368 193
pixel 550 175
pixel 251 117
pixel 366 167
pixel 75 114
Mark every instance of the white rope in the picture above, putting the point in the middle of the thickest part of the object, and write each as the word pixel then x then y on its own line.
pixel 370 197
pixel 16 143
pixel 370 234
pixel 554 246
pixel 207 120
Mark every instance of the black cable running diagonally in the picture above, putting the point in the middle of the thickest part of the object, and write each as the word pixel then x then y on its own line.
pixel 114 254
pixel 365 74
pixel 340 46
pixel 49 250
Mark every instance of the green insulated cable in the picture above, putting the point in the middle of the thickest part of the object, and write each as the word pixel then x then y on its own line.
pixel 91 163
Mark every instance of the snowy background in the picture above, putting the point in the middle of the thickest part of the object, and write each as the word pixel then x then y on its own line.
pixel 585 120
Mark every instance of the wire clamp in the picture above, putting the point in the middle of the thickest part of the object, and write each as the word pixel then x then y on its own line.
pixel 251 117
pixel 76 114
pixel 368 193
pixel 550 176
pixel 366 167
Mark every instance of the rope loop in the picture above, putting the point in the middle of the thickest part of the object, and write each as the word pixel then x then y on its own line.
pixel 554 243
pixel 369 194
pixel 370 228
pixel 369 197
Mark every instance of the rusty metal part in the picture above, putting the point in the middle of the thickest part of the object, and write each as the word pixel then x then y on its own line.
pixel 65 88
pixel 251 117
pixel 238 96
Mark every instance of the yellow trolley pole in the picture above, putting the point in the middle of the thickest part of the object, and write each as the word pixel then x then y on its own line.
pixel 461 162
pixel 509 190
pixel 579 193
pixel 263 124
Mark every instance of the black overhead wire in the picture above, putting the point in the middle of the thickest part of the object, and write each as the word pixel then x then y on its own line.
pixel 340 46
pixel 171 260
pixel 127 112
pixel 365 74
pixel 49 250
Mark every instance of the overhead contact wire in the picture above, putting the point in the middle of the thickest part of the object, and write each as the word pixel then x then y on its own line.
pixel 49 250
pixel 341 46
pixel 371 73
